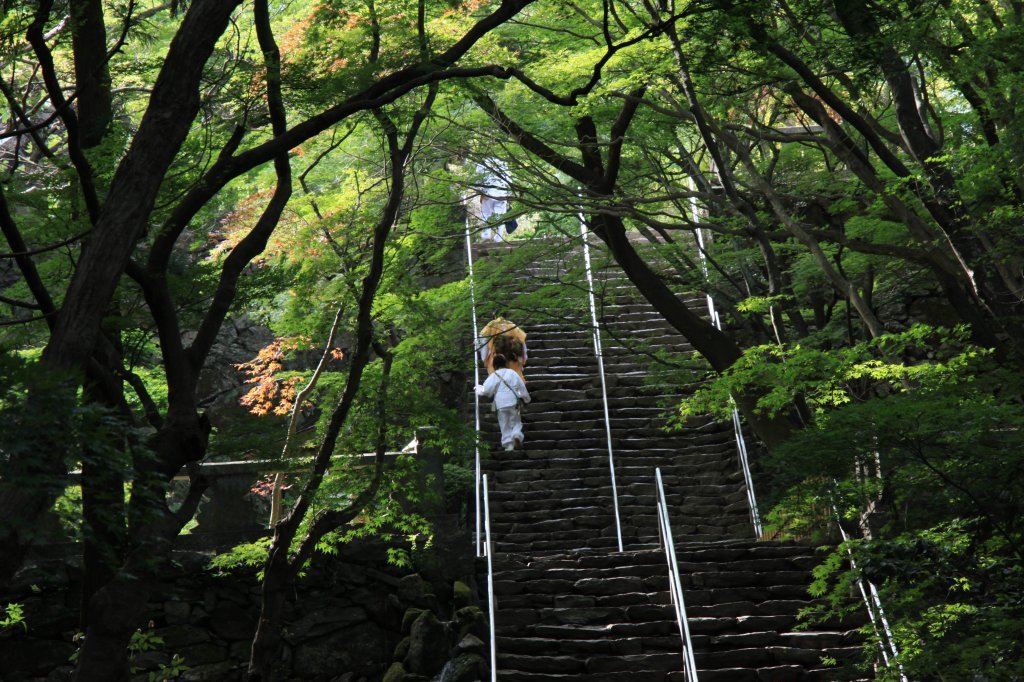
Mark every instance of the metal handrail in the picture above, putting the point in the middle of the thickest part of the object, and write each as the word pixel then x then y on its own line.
pixel 873 603
pixel 748 479
pixel 737 425
pixel 596 334
pixel 491 603
pixel 476 381
pixel 674 581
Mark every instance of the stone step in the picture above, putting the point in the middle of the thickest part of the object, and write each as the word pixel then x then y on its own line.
pixel 601 489
pixel 633 676
pixel 620 646
pixel 572 572
pixel 678 477
pixel 592 666
pixel 570 403
pixel 522 460
pixel 518 525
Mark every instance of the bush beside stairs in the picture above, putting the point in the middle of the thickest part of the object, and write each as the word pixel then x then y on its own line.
pixel 570 606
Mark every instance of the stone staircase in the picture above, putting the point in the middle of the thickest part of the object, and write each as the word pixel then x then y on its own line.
pixel 569 605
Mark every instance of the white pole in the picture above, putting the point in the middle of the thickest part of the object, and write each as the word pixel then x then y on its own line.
pixel 596 333
pixel 873 603
pixel 675 583
pixel 476 380
pixel 737 425
pixel 490 584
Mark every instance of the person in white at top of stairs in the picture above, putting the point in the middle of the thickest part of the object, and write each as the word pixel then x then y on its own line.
pixel 507 388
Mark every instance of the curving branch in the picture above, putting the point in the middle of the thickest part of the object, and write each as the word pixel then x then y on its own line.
pixel 256 240
pixel 22 256
pixel 36 39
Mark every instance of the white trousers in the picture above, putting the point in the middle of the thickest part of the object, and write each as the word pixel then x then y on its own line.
pixel 511 425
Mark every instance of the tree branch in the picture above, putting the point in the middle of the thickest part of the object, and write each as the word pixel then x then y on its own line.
pixel 34 35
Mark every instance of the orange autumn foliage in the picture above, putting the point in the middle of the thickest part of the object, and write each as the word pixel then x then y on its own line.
pixel 269 394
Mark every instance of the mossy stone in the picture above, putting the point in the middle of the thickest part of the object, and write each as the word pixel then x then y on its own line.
pixel 396 673
pixel 462 596
pixel 411 614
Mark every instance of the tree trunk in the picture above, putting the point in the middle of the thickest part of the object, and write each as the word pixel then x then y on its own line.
pixel 116 611
pixel 103 524
pixel 89 42
pixel 173 105
pixel 266 645
pixel 715 345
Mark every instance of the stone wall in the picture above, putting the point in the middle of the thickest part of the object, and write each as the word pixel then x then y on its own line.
pixel 343 624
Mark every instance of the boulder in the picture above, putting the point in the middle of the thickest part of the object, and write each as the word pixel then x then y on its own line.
pixel 470 620
pixel 471 644
pixel 402 650
pixel 463 668
pixel 322 621
pixel 413 589
pixel 356 649
pixel 396 673
pixel 177 612
pixel 462 596
pixel 409 618
pixel 428 647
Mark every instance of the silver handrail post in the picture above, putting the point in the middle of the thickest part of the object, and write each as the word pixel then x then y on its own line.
pixel 476 380
pixel 675 582
pixel 873 603
pixel 596 334
pixel 737 425
pixel 490 582
pixel 748 479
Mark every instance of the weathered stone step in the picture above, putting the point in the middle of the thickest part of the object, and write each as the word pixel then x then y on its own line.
pixel 712 456
pixel 635 675
pixel 541 457
pixel 592 666
pixel 572 572
pixel 692 474
pixel 606 645
pixel 640 518
pixel 651 424
pixel 525 521
pixel 723 551
pixel 521 523
pixel 576 344
pixel 619 442
pixel 599 488
pixel 570 403
pixel 621 396
pixel 758 657
pixel 547 422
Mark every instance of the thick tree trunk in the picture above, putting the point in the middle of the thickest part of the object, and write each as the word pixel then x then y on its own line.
pixel 266 645
pixel 168 118
pixel 173 105
pixel 89 42
pixel 116 611
pixel 103 530
pixel 715 345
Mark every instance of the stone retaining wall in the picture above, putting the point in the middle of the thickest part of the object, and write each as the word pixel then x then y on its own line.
pixel 343 624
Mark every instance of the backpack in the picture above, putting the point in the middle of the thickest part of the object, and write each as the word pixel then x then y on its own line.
pixel 509 346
